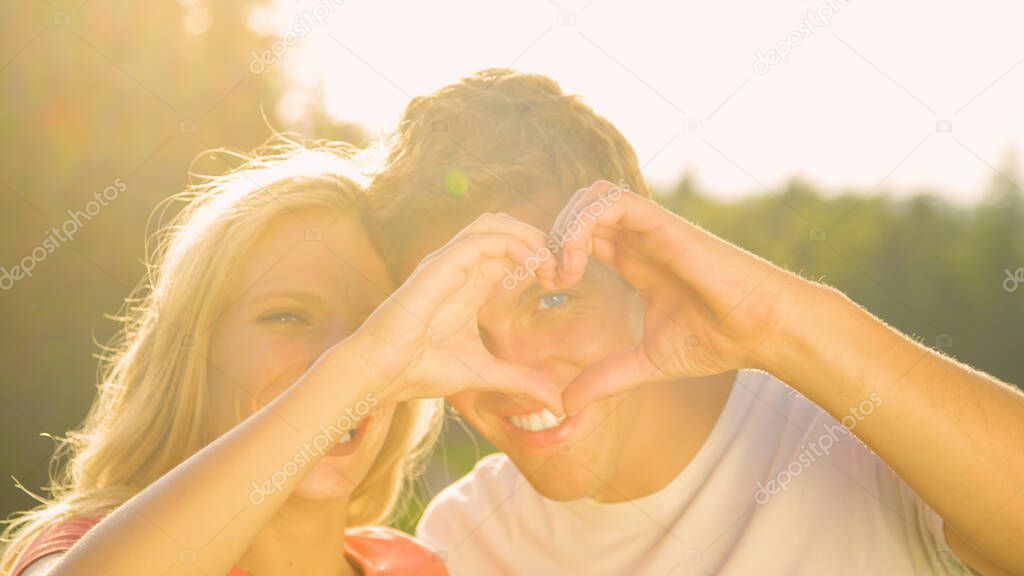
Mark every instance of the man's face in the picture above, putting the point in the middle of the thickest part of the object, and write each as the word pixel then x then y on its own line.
pixel 559 333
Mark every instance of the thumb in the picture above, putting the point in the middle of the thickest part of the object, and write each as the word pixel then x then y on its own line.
pixel 614 374
pixel 520 381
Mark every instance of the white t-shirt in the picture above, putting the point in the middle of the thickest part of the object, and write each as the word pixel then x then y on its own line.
pixel 779 487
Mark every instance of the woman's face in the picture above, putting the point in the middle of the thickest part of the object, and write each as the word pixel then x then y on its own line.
pixel 308 282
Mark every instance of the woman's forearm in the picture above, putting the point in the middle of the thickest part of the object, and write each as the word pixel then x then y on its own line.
pixel 204 513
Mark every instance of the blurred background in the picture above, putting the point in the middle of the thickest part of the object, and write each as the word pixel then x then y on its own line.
pixel 869 145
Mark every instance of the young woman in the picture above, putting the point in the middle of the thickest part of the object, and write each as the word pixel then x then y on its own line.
pixel 251 414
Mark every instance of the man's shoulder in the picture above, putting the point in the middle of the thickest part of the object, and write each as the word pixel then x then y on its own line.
pixel 477 522
pixel 772 398
pixel 493 468
pixel 492 481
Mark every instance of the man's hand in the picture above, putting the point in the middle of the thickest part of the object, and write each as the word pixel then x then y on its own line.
pixel 710 307
pixel 952 433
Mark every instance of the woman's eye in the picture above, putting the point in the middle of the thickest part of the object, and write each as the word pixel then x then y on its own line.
pixel 283 318
pixel 549 301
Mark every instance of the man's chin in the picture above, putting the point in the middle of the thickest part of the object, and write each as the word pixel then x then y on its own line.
pixel 558 477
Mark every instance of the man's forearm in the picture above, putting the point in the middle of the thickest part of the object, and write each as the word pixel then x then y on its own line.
pixel 955 435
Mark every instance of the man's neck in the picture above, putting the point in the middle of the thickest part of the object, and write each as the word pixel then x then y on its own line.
pixel 677 419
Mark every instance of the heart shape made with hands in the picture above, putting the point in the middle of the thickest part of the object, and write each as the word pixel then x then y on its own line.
pixel 695 323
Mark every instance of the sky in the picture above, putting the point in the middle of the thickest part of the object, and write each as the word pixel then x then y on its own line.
pixel 899 97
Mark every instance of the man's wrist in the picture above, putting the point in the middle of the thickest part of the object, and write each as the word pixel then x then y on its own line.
pixel 804 329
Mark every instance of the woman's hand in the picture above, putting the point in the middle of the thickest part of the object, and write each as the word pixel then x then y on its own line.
pixel 423 341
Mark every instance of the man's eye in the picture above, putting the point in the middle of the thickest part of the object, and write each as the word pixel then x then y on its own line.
pixel 283 318
pixel 549 301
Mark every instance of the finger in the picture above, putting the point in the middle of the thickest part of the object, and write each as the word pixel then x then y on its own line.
pixel 501 223
pixel 608 377
pixel 605 207
pixel 640 214
pixel 543 264
pixel 435 281
pixel 571 228
pixel 604 250
pixel 564 215
pixel 523 382
pixel 581 198
pixel 494 223
pixel 622 257
pixel 490 278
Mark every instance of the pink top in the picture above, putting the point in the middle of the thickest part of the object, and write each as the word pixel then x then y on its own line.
pixel 376 550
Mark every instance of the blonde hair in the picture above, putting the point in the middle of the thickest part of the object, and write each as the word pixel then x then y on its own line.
pixel 150 413
pixel 494 139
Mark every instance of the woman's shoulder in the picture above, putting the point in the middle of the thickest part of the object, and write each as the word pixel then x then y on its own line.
pixel 378 550
pixel 382 551
pixel 58 537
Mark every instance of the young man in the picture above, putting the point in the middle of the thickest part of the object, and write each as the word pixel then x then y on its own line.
pixel 683 453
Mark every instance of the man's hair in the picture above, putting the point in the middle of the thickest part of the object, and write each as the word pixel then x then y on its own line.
pixel 495 139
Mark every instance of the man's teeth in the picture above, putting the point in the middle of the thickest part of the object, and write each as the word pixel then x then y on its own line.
pixel 346 438
pixel 535 422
